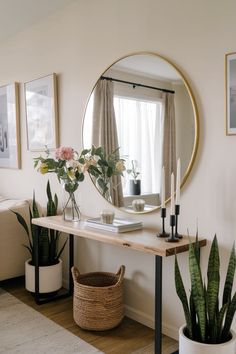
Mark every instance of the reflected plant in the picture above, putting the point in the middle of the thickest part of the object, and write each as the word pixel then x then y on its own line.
pixel 133 171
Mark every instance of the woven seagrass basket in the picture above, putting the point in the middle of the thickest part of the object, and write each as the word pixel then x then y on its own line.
pixel 98 299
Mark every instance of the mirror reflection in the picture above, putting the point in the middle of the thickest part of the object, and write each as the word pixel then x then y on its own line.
pixel 142 109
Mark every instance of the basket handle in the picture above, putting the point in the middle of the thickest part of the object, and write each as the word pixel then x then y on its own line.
pixel 75 274
pixel 121 273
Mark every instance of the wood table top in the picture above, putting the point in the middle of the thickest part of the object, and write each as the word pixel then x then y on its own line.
pixel 143 240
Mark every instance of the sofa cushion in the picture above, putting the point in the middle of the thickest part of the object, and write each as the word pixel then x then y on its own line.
pixel 12 237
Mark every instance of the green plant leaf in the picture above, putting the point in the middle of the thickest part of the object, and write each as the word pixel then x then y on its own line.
pixel 49 194
pixel 35 208
pixel 85 151
pixel 183 298
pixel 229 276
pixel 29 249
pixel 213 276
pixel 220 319
pixel 22 221
pixel 197 291
pixel 62 249
pixel 193 317
pixel 229 319
pixel 56 203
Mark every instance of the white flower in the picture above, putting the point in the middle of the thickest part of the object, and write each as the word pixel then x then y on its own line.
pixel 120 166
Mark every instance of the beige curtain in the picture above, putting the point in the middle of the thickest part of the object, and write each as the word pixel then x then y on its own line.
pixel 104 132
pixel 169 140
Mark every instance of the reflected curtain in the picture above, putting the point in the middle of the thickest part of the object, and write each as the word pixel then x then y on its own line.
pixel 104 131
pixel 169 140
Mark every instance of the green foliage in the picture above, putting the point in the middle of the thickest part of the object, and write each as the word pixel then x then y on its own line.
pixel 48 239
pixel 206 322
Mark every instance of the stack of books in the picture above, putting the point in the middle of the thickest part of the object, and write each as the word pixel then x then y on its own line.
pixel 118 225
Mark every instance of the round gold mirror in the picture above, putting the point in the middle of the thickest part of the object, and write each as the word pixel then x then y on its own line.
pixel 142 109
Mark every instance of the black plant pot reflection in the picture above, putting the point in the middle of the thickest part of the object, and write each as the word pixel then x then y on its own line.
pixel 135 187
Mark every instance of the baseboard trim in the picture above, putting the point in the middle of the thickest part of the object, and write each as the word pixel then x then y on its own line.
pixel 148 321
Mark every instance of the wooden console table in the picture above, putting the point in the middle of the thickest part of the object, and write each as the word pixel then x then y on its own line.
pixel 144 240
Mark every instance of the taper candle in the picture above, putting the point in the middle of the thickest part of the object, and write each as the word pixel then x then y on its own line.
pixel 172 189
pixel 163 190
pixel 177 201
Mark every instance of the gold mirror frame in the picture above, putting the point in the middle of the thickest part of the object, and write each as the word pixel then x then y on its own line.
pixel 196 122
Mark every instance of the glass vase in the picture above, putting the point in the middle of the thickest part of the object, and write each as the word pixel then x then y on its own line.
pixel 71 210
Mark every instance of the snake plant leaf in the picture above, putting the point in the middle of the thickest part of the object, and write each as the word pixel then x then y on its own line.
pixel 197 248
pixel 193 317
pixel 48 190
pixel 197 291
pixel 229 319
pixel 56 203
pixel 28 248
pixel 220 319
pixel 229 277
pixel 23 223
pixel 35 208
pixel 62 249
pixel 213 276
pixel 183 298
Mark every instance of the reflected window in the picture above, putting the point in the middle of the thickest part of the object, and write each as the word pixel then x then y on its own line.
pixel 139 127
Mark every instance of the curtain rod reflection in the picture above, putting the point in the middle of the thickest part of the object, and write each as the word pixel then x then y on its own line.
pixel 136 84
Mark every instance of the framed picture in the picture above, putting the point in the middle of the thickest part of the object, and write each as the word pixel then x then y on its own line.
pixel 230 68
pixel 42 113
pixel 9 126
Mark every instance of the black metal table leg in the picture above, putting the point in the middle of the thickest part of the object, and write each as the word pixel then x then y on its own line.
pixel 158 304
pixel 71 262
pixel 36 257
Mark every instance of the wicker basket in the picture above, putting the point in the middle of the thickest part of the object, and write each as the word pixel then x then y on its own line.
pixel 98 299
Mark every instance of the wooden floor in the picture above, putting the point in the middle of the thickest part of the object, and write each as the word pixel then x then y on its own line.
pixel 129 337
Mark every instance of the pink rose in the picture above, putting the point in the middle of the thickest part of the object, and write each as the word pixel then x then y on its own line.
pixel 64 153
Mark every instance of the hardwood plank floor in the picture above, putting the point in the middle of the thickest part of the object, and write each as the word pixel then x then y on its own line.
pixel 130 337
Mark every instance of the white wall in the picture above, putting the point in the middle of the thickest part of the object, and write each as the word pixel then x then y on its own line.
pixel 82 41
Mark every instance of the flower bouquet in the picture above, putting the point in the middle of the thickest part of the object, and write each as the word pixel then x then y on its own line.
pixel 70 168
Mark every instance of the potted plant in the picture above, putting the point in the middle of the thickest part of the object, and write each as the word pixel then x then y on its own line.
pixel 50 264
pixel 135 183
pixel 208 320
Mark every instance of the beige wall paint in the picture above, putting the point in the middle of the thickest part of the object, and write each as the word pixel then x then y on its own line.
pixel 79 44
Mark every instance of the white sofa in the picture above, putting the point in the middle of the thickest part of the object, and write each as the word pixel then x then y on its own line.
pixel 12 237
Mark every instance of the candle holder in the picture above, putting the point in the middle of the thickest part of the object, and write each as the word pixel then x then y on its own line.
pixel 177 210
pixel 172 237
pixel 163 216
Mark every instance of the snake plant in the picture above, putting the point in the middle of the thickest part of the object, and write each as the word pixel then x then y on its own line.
pixel 48 239
pixel 208 318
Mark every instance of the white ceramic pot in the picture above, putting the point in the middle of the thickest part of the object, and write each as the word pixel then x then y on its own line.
pixel 188 346
pixel 50 277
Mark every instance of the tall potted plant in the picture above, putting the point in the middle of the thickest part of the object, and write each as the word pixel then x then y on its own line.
pixel 208 320
pixel 50 264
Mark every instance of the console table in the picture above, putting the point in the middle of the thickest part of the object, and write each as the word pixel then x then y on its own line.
pixel 144 240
